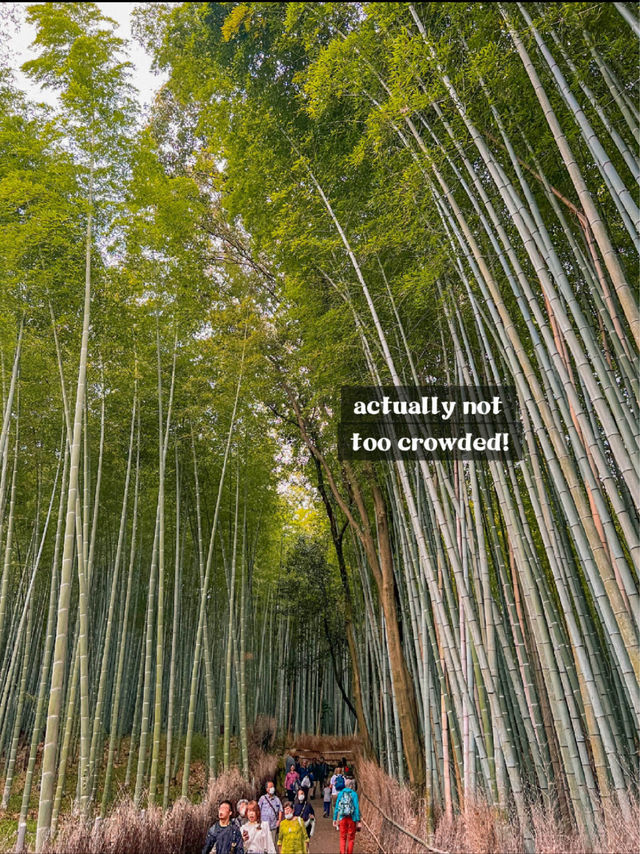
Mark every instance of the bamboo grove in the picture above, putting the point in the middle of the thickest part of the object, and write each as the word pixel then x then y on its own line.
pixel 321 195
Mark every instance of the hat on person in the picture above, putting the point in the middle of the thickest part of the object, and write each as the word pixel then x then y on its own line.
pixel 339 784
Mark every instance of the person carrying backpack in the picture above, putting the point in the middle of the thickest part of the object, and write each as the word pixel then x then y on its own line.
pixel 346 816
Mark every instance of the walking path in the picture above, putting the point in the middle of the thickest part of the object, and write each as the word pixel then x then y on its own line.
pixel 326 839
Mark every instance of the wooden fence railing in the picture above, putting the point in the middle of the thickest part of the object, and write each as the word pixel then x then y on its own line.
pixel 399 827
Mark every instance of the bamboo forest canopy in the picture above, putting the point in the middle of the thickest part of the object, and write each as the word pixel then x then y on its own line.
pixel 322 194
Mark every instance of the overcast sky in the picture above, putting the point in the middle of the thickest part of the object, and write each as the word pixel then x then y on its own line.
pixel 143 78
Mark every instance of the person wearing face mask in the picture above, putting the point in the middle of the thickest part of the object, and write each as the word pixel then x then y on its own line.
pixel 306 779
pixel 303 808
pixel 271 809
pixel 291 783
pixel 292 837
pixel 241 809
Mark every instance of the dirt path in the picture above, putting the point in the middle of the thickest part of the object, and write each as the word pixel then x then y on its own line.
pixel 326 839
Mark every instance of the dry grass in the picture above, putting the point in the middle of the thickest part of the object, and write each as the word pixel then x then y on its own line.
pixel 397 801
pixel 180 830
pixel 262 737
pixel 127 830
pixel 262 762
pixel 481 829
pixel 263 768
pixel 618 835
pixel 622 834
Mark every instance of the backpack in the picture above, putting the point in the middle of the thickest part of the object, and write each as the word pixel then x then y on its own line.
pixel 346 807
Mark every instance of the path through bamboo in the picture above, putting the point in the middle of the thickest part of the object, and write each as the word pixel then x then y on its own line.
pixel 326 839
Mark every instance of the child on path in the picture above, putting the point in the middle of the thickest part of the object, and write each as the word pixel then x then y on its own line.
pixel 326 800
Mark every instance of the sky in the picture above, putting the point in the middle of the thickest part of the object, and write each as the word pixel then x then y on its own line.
pixel 145 81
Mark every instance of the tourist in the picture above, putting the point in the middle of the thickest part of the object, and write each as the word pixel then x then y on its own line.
pixel 291 783
pixel 324 771
pixel 289 763
pixel 271 809
pixel 292 837
pixel 241 810
pixel 337 775
pixel 326 800
pixel 314 767
pixel 256 834
pixel 303 808
pixel 346 816
pixel 306 779
pixel 224 834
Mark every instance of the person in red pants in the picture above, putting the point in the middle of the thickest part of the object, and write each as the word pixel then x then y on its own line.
pixel 346 815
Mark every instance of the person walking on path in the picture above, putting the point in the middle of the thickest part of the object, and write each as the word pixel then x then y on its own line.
pixel 291 783
pixel 346 816
pixel 292 837
pixel 313 773
pixel 306 778
pixel 303 808
pixel 256 834
pixel 337 775
pixel 326 800
pixel 271 809
pixel 224 834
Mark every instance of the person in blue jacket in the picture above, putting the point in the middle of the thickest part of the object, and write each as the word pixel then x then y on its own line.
pixel 224 834
pixel 346 815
